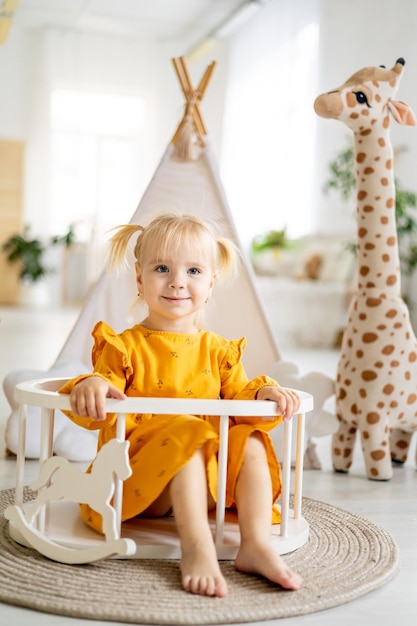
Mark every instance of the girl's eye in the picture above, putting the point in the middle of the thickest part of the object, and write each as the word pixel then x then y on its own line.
pixel 194 270
pixel 162 268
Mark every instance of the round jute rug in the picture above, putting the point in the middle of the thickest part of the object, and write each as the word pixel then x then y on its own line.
pixel 345 557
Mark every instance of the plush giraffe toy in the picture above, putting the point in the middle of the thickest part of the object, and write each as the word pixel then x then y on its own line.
pixel 376 385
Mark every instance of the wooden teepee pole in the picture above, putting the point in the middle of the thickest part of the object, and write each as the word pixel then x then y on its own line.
pixel 192 122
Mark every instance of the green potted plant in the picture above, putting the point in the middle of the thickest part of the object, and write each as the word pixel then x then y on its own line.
pixel 29 253
pixel 266 250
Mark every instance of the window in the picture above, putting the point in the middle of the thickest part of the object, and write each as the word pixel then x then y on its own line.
pixel 97 160
pixel 269 131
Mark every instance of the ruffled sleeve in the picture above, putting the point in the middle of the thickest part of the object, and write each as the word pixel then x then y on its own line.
pixel 110 356
pixel 232 373
pixel 235 383
pixel 233 354
pixel 237 386
pixel 111 362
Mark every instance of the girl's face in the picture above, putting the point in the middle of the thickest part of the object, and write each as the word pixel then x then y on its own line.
pixel 175 288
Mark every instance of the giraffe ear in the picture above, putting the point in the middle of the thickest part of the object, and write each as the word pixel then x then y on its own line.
pixel 402 113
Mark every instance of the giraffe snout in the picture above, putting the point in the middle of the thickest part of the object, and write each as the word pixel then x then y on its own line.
pixel 328 105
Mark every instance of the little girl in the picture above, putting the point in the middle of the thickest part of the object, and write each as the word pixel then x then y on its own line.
pixel 173 458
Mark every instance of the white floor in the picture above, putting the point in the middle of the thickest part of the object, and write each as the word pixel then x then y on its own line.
pixel 33 338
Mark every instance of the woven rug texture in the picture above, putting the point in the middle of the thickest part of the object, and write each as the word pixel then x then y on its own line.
pixel 346 557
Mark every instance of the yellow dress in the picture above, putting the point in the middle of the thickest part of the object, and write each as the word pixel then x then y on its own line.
pixel 143 362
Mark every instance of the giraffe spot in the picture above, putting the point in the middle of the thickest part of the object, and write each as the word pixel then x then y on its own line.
pixel 354 409
pixel 412 357
pixel 378 455
pixel 389 349
pixel 381 142
pixel 362 195
pixel 369 337
pixel 372 417
pixel 352 431
pixel 384 182
pixel 381 326
pixel 342 394
pixel 391 280
pixel 388 164
pixel 391 241
pixel 347 382
pixel 360 157
pixel 402 445
pixel 389 204
pixel 372 302
pixel 386 258
pixel 365 131
pixel 337 452
pixel 384 220
pixel 379 364
pixel 385 122
pixel 380 405
pixel 362 393
pixel 365 434
pixel 374 472
pixel 393 404
pixel 364 270
pixel 411 398
pixel 369 246
pixel 395 363
pixel 359 354
pixel 407 376
pixel 347 452
pixel 368 208
pixel 351 100
pixel 398 325
pixel 368 170
pixel 388 389
pixel 391 313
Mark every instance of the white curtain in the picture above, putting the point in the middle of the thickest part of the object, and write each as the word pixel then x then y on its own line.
pixel 269 132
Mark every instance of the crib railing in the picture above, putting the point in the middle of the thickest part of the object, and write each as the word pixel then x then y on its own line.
pixel 293 530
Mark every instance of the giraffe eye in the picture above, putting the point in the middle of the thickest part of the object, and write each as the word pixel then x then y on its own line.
pixel 361 98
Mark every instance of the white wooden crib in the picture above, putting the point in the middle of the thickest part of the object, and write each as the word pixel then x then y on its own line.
pixel 52 524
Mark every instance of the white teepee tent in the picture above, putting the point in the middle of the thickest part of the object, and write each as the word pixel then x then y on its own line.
pixel 186 180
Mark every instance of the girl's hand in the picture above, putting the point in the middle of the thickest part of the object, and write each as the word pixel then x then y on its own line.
pixel 88 397
pixel 288 400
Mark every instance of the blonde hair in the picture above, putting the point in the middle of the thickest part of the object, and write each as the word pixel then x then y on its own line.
pixel 169 232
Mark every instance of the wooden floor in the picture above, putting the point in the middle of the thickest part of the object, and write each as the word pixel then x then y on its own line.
pixel 32 339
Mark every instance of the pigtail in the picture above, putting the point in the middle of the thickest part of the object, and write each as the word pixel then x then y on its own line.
pixel 228 256
pixel 119 243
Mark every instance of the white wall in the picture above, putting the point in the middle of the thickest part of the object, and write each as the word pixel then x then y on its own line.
pixel 32 64
pixel 355 34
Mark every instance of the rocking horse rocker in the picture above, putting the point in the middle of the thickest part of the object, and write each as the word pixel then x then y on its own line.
pixel 376 386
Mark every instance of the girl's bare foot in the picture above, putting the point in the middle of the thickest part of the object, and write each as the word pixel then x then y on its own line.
pixel 201 572
pixel 259 559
